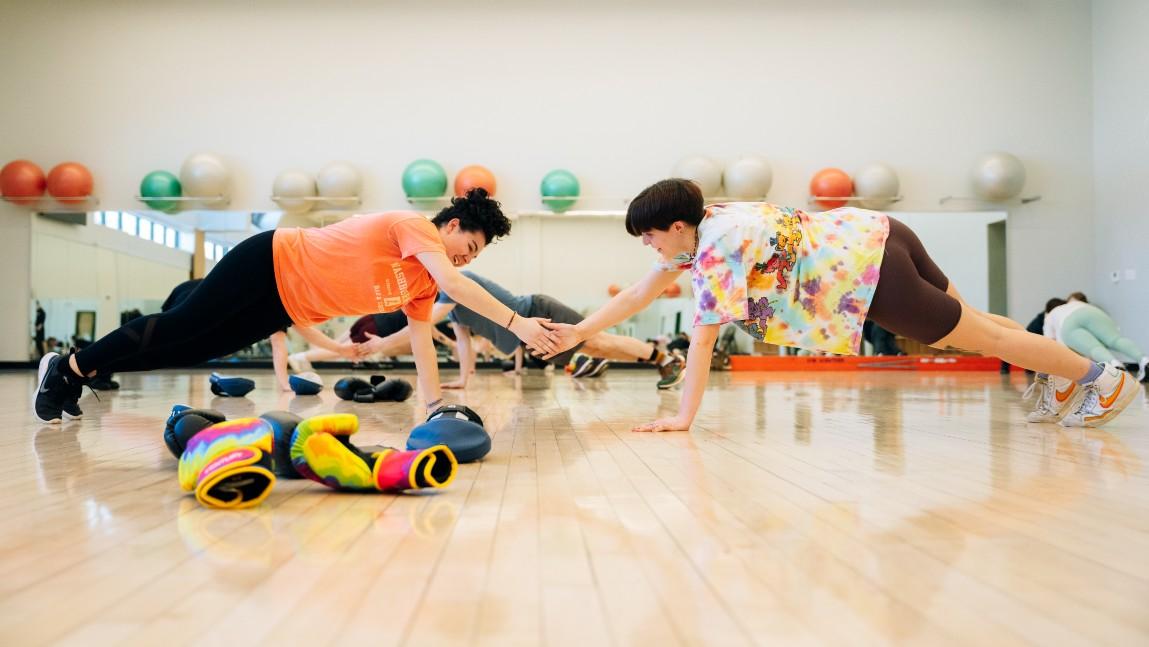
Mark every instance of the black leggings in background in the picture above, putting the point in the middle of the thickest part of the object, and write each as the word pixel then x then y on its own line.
pixel 911 298
pixel 236 305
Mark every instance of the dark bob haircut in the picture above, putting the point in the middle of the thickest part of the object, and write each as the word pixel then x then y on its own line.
pixel 1053 303
pixel 662 204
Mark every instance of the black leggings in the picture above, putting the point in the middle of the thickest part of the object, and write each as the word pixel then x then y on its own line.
pixel 236 305
pixel 911 298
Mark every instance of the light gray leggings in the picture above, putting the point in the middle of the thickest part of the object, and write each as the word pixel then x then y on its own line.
pixel 1092 333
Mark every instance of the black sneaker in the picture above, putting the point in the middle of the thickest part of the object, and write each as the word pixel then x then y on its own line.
pixel 56 393
pixel 581 365
pixel 104 383
pixel 600 367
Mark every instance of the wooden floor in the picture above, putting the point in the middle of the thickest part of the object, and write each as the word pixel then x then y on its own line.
pixel 840 509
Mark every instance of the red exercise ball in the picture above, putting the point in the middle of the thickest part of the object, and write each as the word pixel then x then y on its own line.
pixel 22 179
pixel 831 183
pixel 472 176
pixel 614 289
pixel 70 182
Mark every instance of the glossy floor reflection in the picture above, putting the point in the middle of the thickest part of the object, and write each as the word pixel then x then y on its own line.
pixel 846 508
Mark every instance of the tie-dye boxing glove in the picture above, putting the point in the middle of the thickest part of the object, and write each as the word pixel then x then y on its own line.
pixel 322 451
pixel 228 465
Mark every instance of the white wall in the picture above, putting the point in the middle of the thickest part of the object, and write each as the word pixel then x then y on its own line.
pixel 615 93
pixel 1121 162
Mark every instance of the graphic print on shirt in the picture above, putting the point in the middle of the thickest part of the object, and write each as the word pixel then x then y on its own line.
pixel 786 243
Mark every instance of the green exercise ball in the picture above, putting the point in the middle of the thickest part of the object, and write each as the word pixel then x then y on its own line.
pixel 424 179
pixel 161 184
pixel 559 184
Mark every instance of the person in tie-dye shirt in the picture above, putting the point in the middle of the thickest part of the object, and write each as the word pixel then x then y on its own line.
pixel 811 280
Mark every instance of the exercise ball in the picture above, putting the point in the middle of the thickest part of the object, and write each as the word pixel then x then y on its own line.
pixel 289 189
pixel 998 176
pixel 161 184
pixel 877 184
pixel 204 175
pixel 70 183
pixel 673 291
pixel 473 176
pixel 339 180
pixel 22 182
pixel 614 289
pixel 748 178
pixel 831 183
pixel 559 183
pixel 703 172
pixel 424 178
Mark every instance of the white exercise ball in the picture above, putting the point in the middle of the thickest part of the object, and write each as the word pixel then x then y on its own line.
pixel 703 172
pixel 205 175
pixel 998 176
pixel 288 189
pixel 339 180
pixel 877 183
pixel 748 178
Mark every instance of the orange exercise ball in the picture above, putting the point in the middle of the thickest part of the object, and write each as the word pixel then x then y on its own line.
pixel 831 183
pixel 473 176
pixel 673 291
pixel 614 289
pixel 22 182
pixel 70 182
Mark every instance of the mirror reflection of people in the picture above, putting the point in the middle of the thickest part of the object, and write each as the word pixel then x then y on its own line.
pixel 587 359
pixel 38 331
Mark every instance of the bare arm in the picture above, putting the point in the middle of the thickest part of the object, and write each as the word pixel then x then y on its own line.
pixel 468 293
pixel 466 357
pixel 426 361
pixel 399 342
pixel 438 336
pixel 697 374
pixel 316 338
pixel 624 305
pixel 279 359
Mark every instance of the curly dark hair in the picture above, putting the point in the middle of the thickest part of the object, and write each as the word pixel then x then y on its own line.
pixel 476 212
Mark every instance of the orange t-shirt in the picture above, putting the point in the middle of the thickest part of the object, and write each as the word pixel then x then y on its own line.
pixel 362 265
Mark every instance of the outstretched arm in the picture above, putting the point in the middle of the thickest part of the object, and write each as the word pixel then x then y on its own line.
pixel 697 374
pixel 623 306
pixel 468 293
pixel 315 337
pixel 399 342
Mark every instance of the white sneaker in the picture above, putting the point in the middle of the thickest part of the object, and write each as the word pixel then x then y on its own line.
pixel 1056 397
pixel 298 362
pixel 1105 397
pixel 1141 368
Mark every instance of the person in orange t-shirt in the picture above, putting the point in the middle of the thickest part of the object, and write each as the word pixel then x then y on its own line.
pixel 362 265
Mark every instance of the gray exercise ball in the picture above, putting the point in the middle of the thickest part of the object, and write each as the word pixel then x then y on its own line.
pixel 877 184
pixel 748 178
pixel 703 172
pixel 998 176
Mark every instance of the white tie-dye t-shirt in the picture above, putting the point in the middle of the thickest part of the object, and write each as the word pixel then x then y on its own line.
pixel 788 277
